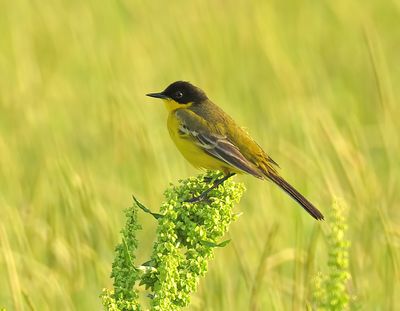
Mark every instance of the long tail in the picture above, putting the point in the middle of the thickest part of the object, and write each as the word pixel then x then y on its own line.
pixel 307 205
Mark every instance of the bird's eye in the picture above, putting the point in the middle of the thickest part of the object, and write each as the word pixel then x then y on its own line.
pixel 178 94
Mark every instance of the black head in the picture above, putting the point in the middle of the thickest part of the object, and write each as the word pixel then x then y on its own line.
pixel 182 92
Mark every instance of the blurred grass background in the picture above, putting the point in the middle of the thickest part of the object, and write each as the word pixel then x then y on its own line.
pixel 316 83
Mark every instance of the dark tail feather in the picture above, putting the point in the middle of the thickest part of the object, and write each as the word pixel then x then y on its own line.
pixel 311 209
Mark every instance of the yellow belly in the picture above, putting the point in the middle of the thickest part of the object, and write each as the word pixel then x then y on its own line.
pixel 194 154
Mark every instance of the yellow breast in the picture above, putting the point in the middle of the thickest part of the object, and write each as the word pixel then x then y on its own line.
pixel 192 152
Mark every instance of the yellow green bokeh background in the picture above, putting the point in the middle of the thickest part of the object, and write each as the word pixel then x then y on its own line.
pixel 315 82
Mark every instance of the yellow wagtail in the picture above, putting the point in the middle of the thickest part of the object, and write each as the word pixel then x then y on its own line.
pixel 210 139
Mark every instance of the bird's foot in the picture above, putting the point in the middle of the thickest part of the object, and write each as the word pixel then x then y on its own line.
pixel 207 179
pixel 198 199
pixel 216 183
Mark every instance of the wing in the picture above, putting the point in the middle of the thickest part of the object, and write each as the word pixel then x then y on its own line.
pixel 214 143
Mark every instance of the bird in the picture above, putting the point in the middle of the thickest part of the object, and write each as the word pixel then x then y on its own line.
pixel 210 139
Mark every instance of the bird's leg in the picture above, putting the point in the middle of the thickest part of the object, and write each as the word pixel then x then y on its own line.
pixel 207 179
pixel 218 182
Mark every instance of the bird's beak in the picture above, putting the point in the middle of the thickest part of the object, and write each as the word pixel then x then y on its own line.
pixel 157 95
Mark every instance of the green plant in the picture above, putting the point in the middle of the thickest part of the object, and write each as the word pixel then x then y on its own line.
pixel 124 296
pixel 331 289
pixel 187 235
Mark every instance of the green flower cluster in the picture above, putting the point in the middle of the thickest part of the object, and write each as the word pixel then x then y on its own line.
pixel 187 235
pixel 331 289
pixel 124 272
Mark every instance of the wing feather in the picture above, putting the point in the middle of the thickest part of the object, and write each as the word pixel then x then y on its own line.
pixel 215 144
